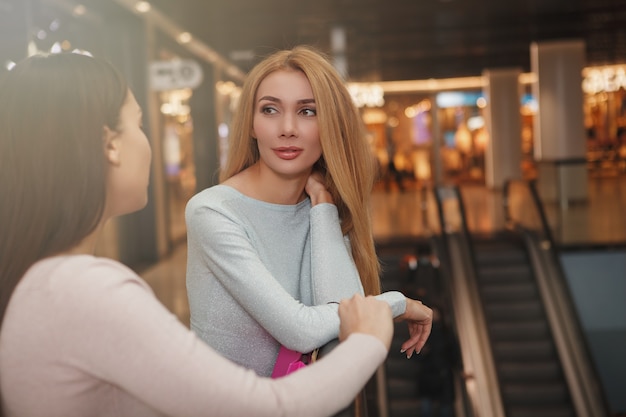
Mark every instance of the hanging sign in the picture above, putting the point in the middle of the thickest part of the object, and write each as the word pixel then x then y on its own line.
pixel 608 79
pixel 174 75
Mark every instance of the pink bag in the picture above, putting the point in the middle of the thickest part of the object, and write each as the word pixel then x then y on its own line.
pixel 289 361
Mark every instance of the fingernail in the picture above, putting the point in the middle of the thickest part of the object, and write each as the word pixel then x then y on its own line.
pixel 402 350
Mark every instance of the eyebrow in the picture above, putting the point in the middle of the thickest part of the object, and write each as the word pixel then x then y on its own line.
pixel 277 100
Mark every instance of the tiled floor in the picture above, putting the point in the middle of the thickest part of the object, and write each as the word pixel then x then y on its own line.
pixel 602 220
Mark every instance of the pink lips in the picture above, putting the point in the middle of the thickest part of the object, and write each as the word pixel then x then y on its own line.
pixel 287 152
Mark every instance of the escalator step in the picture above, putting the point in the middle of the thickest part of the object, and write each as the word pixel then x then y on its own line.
pixel 517 311
pixel 519 330
pixel 525 350
pixel 542 411
pixel 499 253
pixel 533 395
pixel 529 371
pixel 506 291
pixel 505 273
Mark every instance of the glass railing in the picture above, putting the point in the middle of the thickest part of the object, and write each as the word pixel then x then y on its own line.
pixel 581 207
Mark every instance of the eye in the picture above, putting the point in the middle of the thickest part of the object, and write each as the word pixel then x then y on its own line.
pixel 308 112
pixel 268 110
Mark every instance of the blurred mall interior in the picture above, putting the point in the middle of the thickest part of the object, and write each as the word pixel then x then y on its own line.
pixel 500 132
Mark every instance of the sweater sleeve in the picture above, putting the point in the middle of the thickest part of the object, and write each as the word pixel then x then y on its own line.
pixel 334 273
pixel 118 332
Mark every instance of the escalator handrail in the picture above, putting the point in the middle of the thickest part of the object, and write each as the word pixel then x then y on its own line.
pixel 490 404
pixel 468 407
pixel 465 228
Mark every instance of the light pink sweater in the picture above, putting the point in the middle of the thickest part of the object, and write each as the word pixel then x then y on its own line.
pixel 85 336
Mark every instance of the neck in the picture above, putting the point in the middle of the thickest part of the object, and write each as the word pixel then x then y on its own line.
pixel 289 193
pixel 265 186
pixel 88 245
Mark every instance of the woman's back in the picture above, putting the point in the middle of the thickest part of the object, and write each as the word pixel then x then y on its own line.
pixel 56 345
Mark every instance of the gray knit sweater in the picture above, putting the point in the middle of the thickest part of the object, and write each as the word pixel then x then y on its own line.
pixel 261 274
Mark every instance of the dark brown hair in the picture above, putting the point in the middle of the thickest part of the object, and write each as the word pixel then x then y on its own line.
pixel 52 171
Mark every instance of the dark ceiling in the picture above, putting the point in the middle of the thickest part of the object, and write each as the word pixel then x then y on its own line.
pixel 406 39
pixel 386 40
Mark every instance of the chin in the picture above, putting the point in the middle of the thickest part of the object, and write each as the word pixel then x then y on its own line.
pixel 133 207
pixel 143 204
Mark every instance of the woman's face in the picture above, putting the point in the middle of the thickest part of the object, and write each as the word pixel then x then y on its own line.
pixel 285 124
pixel 129 155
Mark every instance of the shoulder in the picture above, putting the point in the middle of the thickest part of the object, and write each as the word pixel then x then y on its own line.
pixel 212 196
pixel 78 285
pixel 218 198
pixel 82 272
pixel 217 209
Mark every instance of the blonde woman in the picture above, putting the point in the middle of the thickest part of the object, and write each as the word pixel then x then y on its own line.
pixel 287 233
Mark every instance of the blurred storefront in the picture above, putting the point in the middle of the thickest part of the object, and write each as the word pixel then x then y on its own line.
pixel 605 119
pixel 415 131
pixel 178 158
pixel 195 108
pixel 188 109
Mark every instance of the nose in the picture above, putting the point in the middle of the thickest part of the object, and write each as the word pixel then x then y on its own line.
pixel 289 126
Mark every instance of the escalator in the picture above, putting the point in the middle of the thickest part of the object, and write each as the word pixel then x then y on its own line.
pixel 523 351
pixel 530 379
pixel 526 360
pixel 519 349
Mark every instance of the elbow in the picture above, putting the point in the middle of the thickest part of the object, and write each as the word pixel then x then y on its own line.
pixel 307 338
pixel 305 341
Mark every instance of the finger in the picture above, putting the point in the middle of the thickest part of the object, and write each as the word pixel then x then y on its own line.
pixel 410 345
pixel 425 335
pixel 418 337
pixel 410 352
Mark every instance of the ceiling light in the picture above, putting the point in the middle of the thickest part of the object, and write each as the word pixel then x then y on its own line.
pixel 184 37
pixel 142 6
pixel 79 10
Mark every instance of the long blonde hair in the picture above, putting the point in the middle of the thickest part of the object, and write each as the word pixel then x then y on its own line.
pixel 346 161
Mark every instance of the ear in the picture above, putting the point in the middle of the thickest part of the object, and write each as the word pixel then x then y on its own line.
pixel 112 145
